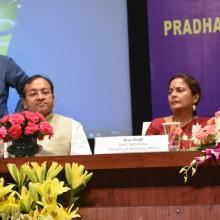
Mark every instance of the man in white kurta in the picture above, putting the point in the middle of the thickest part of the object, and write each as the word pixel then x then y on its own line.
pixel 69 137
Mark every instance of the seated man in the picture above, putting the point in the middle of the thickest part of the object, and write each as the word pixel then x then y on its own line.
pixel 69 137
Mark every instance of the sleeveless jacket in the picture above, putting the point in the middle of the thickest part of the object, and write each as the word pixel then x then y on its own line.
pixel 60 142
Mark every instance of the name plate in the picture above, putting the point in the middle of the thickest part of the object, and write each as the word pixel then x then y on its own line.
pixel 131 144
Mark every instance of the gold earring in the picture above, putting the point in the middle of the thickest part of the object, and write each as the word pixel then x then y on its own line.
pixel 194 107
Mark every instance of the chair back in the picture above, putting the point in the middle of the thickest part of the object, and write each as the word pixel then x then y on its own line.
pixel 145 126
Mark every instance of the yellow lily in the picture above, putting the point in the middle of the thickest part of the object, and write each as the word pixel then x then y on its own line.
pixel 32 215
pixel 33 191
pixel 54 169
pixel 76 175
pixel 40 170
pixel 49 190
pixel 10 207
pixel 72 213
pixel 37 172
pixel 30 173
pixel 38 199
pixel 57 212
pixel 18 175
pixel 26 200
pixel 4 190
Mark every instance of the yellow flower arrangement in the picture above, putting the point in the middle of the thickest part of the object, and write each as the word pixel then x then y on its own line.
pixel 37 190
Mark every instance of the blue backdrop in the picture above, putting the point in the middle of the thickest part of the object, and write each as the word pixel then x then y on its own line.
pixel 83 47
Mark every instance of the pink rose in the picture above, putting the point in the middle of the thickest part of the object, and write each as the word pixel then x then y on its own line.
pixel 4 119
pixel 3 132
pixel 15 131
pixel 31 128
pixel 16 119
pixel 23 124
pixel 45 128
pixel 40 116
pixel 31 116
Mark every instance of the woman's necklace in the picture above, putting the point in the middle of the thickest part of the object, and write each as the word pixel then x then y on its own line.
pixel 182 124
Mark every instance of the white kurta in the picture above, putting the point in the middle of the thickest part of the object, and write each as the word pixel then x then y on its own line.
pixel 69 138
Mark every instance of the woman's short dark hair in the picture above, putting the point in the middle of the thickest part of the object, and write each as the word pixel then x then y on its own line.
pixel 190 81
pixel 31 79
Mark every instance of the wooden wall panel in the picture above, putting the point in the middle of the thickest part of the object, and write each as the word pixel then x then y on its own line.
pixel 143 186
pixel 205 212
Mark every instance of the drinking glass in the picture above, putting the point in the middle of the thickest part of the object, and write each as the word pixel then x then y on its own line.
pixel 173 130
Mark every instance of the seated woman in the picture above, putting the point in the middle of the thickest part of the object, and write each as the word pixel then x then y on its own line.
pixel 183 96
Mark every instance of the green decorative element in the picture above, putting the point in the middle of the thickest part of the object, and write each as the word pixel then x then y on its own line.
pixel 207 146
pixel 203 147
pixel 8 14
pixel 188 171
pixel 4 44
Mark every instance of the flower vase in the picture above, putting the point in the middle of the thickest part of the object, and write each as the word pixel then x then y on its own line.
pixel 24 147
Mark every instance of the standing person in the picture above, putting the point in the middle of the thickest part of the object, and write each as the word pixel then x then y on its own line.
pixel 69 137
pixel 183 96
pixel 11 75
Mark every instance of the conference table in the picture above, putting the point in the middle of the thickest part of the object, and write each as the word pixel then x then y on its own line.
pixel 143 186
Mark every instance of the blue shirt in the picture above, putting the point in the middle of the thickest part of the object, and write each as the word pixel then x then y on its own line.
pixel 11 75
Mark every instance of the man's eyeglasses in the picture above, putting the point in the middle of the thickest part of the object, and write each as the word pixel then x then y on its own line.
pixel 42 92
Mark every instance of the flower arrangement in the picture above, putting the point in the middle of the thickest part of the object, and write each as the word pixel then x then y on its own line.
pixel 24 124
pixel 207 139
pixel 36 193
